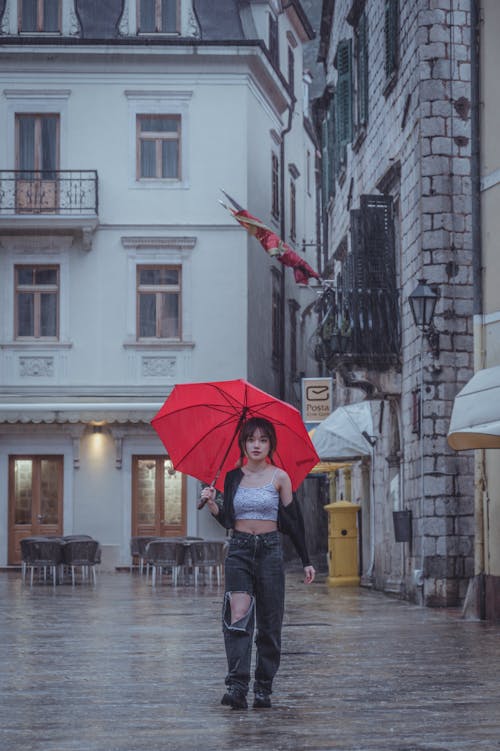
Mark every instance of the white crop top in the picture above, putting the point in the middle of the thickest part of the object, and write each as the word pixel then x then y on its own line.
pixel 257 503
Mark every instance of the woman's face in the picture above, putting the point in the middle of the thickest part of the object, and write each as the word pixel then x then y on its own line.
pixel 257 446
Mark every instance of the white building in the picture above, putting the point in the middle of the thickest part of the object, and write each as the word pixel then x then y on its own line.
pixel 120 273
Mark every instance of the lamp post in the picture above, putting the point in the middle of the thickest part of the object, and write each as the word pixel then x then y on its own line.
pixel 422 305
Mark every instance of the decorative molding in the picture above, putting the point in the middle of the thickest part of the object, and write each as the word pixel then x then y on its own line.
pixel 160 344
pixel 489 181
pixel 157 94
pixel 37 93
pixel 32 367
pixel 192 28
pixel 159 243
pixel 36 243
pixel 165 367
pixel 74 23
pixel 123 24
pixel 5 27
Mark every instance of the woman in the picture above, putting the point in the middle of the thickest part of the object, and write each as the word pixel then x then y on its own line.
pixel 258 501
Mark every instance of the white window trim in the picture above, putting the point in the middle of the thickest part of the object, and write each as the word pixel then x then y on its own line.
pixel 159 103
pixel 141 251
pixel 188 24
pixel 42 258
pixel 35 101
pixel 69 21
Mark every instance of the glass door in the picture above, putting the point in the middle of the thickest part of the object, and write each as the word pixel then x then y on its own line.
pixel 158 498
pixel 37 161
pixel 35 499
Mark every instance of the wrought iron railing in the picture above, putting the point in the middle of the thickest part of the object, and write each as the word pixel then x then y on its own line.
pixel 69 193
pixel 358 324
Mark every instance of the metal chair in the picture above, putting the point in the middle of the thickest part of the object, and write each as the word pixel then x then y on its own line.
pixel 42 554
pixel 138 547
pixel 161 554
pixel 208 554
pixel 83 555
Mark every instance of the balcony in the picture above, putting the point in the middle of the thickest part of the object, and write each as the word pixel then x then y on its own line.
pixel 358 327
pixel 49 202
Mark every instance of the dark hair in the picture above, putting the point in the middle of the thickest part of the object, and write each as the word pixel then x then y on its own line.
pixel 247 430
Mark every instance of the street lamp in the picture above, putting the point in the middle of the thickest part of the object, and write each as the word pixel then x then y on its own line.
pixel 423 304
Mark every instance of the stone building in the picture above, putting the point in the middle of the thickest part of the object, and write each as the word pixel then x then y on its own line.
pixel 120 273
pixel 395 119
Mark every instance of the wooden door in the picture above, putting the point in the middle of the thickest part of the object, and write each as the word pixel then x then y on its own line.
pixel 158 498
pixel 35 499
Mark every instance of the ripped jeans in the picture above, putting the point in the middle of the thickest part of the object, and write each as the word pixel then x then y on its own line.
pixel 254 565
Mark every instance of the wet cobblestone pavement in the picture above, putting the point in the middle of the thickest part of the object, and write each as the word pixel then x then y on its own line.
pixel 123 667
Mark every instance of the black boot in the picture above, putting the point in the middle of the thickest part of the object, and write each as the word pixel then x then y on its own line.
pixel 234 698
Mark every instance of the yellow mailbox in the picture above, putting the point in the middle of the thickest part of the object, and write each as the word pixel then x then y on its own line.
pixel 343 565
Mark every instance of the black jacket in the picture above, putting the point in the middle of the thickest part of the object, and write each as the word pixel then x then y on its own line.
pixel 290 520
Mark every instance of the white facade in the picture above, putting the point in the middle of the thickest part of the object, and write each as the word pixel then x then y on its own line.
pixel 232 106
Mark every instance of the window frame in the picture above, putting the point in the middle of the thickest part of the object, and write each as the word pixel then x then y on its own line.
pixel 38 117
pixel 293 210
pixel 392 43
pixel 276 316
pixel 159 290
pixel 275 185
pixel 37 290
pixel 273 38
pixel 158 16
pixel 361 53
pixel 159 137
pixel 40 7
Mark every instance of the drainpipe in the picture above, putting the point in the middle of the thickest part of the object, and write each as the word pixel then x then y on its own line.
pixel 479 349
pixel 282 234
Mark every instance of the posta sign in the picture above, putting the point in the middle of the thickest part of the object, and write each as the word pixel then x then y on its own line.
pixel 317 399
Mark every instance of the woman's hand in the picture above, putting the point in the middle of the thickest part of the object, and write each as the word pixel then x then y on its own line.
pixel 208 497
pixel 309 574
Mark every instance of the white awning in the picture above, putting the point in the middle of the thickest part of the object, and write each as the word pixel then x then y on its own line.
pixel 78 412
pixel 342 435
pixel 475 419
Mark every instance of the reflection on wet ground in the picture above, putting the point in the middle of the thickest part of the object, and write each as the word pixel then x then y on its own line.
pixel 123 667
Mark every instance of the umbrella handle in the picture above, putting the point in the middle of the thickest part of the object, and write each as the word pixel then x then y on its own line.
pixel 203 501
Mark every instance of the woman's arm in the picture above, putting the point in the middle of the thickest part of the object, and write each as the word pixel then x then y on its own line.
pixel 297 533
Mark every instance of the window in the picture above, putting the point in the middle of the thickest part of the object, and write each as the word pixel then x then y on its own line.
pixel 329 162
pixel 361 43
pixel 391 37
pixel 39 15
pixel 291 70
pixel 308 172
pixel 343 99
pixel 159 302
pixel 158 16
pixel 293 307
pixel 274 41
pixel 293 211
pixel 275 186
pixel 277 316
pixel 37 143
pixel 36 302
pixel 158 147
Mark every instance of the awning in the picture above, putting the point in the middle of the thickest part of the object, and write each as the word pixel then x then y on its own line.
pixel 345 433
pixel 90 412
pixel 475 419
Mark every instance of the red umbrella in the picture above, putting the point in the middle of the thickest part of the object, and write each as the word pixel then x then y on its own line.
pixel 199 425
pixel 272 244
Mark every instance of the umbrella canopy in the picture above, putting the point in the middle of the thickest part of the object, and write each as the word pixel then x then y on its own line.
pixel 475 419
pixel 199 425
pixel 342 434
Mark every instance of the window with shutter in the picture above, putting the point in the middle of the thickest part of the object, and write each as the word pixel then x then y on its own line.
pixel 362 70
pixel 343 98
pixel 391 37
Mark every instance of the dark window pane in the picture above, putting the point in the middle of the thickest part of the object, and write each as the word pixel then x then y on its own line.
pixel 28 15
pixel 159 124
pixel 51 15
pixel 25 275
pixel 46 276
pixel 147 20
pixel 169 15
pixel 49 490
pixel 149 276
pixel 170 159
pixel 49 145
pixel 48 312
pixel 170 276
pixel 147 315
pixel 148 159
pixel 26 129
pixel 23 490
pixel 25 315
pixel 169 316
